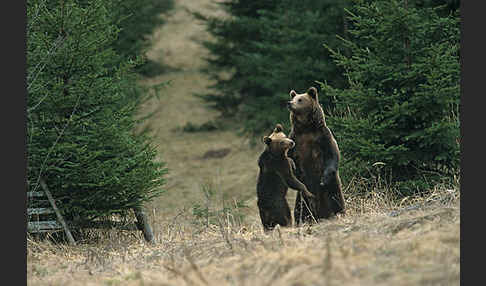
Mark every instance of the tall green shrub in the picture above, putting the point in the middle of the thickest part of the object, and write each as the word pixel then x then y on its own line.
pixel 402 104
pixel 82 98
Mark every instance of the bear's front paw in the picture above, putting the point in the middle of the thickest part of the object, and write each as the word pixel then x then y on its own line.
pixel 322 184
pixel 308 194
pixel 327 177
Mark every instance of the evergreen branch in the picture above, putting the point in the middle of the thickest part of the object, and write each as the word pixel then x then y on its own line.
pixel 55 143
pixel 36 15
pixel 59 41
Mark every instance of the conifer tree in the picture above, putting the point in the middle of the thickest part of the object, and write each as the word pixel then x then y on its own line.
pixel 402 104
pixel 81 101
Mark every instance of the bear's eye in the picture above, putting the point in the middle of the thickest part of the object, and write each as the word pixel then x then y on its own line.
pixel 300 100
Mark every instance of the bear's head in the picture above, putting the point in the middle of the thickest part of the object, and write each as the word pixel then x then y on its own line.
pixel 305 109
pixel 303 103
pixel 278 143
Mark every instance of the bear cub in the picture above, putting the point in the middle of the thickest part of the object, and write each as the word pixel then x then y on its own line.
pixel 276 175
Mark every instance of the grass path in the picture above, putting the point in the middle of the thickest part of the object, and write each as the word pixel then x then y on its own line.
pixel 177 44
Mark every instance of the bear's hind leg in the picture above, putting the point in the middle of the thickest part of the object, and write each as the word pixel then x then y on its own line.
pixel 336 199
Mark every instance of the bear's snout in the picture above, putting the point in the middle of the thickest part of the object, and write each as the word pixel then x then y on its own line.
pixel 289 104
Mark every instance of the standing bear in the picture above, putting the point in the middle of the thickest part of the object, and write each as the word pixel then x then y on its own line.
pixel 316 155
pixel 275 176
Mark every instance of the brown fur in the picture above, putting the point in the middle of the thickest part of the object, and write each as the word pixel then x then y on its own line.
pixel 316 155
pixel 275 176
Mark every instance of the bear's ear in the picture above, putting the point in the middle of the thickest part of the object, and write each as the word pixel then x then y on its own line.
pixel 278 128
pixel 312 92
pixel 267 140
pixel 293 93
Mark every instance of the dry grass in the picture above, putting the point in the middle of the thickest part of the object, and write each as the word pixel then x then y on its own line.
pixel 416 245
pixel 381 241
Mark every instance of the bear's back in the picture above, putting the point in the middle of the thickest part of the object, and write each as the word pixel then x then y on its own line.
pixel 270 184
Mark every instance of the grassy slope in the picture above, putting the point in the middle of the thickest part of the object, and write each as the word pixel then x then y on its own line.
pixel 377 243
pixel 372 245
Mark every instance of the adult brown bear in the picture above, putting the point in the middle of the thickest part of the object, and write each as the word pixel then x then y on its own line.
pixel 275 176
pixel 316 155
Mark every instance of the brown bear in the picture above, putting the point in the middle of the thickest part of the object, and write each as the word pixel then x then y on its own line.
pixel 275 176
pixel 316 155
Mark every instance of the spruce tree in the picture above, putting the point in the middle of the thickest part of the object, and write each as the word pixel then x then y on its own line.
pixel 233 38
pixel 402 105
pixel 81 101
